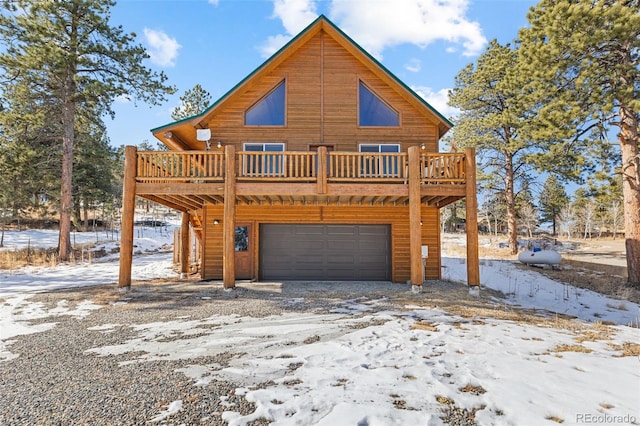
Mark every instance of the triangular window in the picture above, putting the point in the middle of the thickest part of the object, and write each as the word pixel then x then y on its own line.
pixel 269 111
pixel 373 111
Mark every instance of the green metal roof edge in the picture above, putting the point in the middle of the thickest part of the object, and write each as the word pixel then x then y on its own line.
pixel 182 120
pixel 283 48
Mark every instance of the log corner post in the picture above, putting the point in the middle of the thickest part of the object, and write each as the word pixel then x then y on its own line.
pixel 185 251
pixel 128 212
pixel 229 218
pixel 415 234
pixel 473 261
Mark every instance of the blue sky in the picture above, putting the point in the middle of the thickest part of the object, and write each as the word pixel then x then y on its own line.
pixel 216 43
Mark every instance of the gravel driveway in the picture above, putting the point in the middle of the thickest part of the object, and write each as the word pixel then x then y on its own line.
pixel 55 381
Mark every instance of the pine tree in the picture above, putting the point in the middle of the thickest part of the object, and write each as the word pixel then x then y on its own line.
pixel 67 54
pixel 495 121
pixel 95 172
pixel 28 154
pixel 583 60
pixel 552 199
pixel 193 102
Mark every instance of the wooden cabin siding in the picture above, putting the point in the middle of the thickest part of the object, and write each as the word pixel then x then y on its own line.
pixel 397 217
pixel 322 105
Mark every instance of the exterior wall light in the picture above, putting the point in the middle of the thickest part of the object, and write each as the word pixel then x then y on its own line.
pixel 216 221
pixel 219 144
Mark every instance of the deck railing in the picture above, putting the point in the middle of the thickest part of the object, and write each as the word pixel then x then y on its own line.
pixel 280 166
pixel 158 166
pixel 298 166
pixel 360 166
pixel 442 168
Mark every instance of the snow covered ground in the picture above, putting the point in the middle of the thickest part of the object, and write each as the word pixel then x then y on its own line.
pixel 400 367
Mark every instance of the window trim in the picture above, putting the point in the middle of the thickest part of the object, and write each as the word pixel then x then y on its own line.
pixel 381 99
pixel 275 168
pixel 397 145
pixel 376 164
pixel 264 96
pixel 245 144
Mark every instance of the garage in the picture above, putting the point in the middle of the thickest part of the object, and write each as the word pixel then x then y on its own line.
pixel 325 252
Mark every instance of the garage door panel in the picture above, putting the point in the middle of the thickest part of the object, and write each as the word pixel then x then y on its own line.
pixel 325 252
pixel 307 230
pixel 371 229
pixel 341 246
pixel 339 230
pixel 342 260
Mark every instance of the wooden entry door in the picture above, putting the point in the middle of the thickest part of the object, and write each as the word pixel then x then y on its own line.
pixel 244 251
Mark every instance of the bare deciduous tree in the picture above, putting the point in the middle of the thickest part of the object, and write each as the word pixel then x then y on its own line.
pixel 567 220
pixel 528 216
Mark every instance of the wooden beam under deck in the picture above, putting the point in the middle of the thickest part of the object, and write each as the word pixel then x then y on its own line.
pixel 155 188
pixel 165 202
pixel 194 194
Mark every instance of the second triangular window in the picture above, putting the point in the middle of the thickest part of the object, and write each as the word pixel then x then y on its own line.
pixel 373 111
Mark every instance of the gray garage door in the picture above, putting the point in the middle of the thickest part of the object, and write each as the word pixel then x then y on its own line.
pixel 325 252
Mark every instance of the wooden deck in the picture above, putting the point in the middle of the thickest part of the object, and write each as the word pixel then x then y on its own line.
pixel 186 180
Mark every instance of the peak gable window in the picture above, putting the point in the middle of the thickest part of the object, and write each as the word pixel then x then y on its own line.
pixel 373 111
pixel 268 111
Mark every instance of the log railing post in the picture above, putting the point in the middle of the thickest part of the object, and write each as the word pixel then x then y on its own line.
pixel 229 218
pixel 415 235
pixel 473 261
pixel 128 213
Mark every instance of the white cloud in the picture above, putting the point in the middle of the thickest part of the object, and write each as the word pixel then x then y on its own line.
pixel 439 100
pixel 384 23
pixel 295 16
pixel 377 25
pixel 273 43
pixel 414 65
pixel 163 49
pixel 214 2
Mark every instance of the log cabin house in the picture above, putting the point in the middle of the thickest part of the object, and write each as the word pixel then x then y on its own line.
pixel 320 165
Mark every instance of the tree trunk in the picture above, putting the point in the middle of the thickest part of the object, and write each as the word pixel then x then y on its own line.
pixel 85 216
pixel 510 201
pixel 66 184
pixel 629 140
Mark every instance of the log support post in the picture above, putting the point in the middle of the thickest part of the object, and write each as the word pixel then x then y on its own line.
pixel 473 261
pixel 415 234
pixel 184 246
pixel 321 173
pixel 128 212
pixel 229 218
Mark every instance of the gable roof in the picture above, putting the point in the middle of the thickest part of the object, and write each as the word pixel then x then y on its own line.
pixel 322 23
